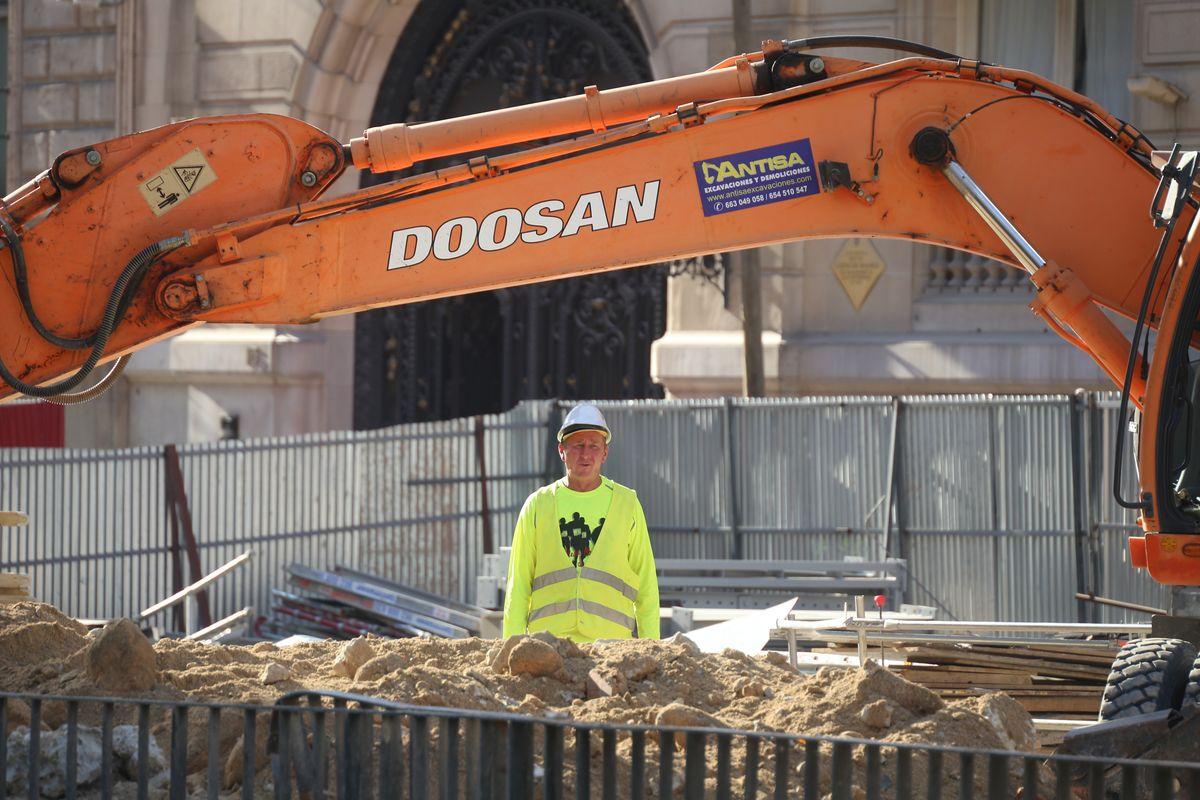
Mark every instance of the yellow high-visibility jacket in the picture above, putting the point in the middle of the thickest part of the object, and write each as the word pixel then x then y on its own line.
pixel 613 594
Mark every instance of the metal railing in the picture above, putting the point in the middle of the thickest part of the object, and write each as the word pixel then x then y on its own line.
pixel 322 745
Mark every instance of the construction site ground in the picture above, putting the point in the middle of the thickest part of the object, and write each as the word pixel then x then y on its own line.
pixel 641 682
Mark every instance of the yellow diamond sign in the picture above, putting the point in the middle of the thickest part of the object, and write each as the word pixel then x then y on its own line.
pixel 857 268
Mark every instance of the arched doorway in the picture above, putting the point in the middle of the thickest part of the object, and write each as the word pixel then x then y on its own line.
pixel 582 337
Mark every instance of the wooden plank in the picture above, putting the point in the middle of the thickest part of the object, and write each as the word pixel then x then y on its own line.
pixel 967 679
pixel 10 581
pixel 1103 659
pixel 1048 705
pixel 985 660
pixel 953 669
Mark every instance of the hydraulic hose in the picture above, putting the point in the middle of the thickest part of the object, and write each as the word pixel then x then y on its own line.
pixel 92 392
pixel 879 42
pixel 21 277
pixel 123 292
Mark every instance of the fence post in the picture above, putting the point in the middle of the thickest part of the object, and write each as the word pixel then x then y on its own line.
pixel 997 458
pixel 1079 502
pixel 729 443
pixel 553 423
pixel 179 514
pixel 902 543
pixel 481 458
pixel 890 489
pixel 1095 493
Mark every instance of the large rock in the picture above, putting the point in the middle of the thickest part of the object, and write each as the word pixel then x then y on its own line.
pixel 883 682
pixel 1009 718
pixel 274 673
pixel 679 715
pixel 565 647
pixel 353 655
pixel 52 760
pixel 877 714
pixel 534 658
pixel 125 752
pixel 498 660
pixel 235 764
pixel 598 685
pixel 380 667
pixel 638 667
pixel 680 639
pixel 121 659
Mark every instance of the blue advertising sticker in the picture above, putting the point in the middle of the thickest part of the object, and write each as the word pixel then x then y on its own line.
pixel 756 177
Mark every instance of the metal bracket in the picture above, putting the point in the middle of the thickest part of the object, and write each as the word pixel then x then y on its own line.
pixel 202 294
pixel 481 168
pixel 836 175
pixel 1174 188
pixel 688 115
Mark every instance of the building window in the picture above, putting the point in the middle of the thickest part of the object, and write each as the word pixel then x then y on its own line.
pixel 1104 53
pixel 1021 34
pixel 1086 45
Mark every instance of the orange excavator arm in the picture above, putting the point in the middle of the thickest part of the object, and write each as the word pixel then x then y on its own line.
pixel 221 219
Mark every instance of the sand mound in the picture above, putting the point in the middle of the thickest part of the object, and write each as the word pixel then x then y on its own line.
pixel 641 682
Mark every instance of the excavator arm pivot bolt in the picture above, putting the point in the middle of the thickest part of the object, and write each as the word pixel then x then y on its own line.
pixel 932 147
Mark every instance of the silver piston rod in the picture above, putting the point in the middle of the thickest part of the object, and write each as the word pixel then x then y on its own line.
pixel 1017 244
pixel 931 147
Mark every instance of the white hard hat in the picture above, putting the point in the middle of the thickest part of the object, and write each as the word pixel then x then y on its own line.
pixel 584 417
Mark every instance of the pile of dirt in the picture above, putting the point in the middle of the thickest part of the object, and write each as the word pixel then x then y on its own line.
pixel 639 682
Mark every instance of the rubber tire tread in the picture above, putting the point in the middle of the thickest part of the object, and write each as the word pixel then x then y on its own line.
pixel 1191 696
pixel 1148 675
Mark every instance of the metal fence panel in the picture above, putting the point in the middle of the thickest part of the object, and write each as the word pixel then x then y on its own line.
pixel 954 573
pixel 949 448
pixel 978 492
pixel 402 502
pixel 676 455
pixel 813 463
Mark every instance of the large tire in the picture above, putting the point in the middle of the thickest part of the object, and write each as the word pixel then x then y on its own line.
pixel 1191 696
pixel 1148 675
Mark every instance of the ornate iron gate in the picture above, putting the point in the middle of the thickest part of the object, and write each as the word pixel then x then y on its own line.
pixel 581 337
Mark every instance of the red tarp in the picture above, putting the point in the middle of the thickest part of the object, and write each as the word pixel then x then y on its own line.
pixel 27 424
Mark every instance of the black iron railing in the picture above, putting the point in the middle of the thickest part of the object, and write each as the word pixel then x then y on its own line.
pixel 348 746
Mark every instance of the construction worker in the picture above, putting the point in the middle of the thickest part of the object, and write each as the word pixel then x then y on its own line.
pixel 581 565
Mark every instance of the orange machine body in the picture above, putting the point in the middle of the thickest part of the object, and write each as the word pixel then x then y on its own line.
pixel 653 176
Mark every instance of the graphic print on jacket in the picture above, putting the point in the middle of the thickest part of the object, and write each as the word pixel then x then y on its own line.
pixel 578 538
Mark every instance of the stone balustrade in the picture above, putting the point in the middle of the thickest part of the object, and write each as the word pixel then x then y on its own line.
pixel 955 273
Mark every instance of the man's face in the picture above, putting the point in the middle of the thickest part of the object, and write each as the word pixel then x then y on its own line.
pixel 583 454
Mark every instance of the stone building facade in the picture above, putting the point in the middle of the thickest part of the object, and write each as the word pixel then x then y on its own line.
pixel 932 321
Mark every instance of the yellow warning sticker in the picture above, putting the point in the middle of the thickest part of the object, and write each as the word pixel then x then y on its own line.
pixel 179 181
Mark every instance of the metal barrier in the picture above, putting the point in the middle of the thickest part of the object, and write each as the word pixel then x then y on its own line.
pixel 319 745
pixel 403 502
pixel 999 504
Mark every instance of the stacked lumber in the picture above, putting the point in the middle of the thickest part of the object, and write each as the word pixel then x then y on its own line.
pixel 1060 680
pixel 14 587
pixel 1057 679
